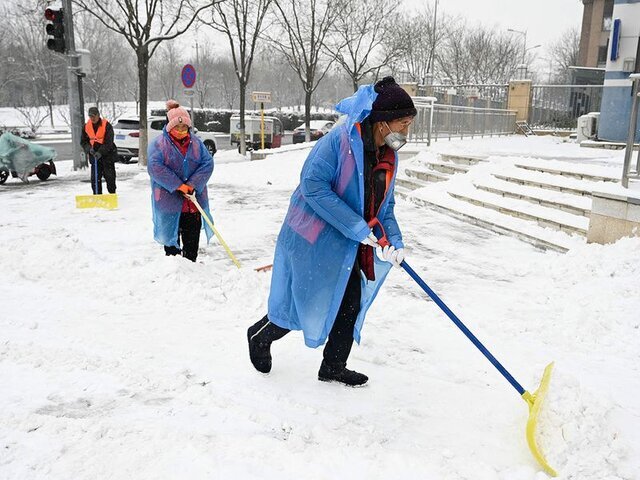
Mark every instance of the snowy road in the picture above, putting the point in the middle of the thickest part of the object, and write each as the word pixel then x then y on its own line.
pixel 117 362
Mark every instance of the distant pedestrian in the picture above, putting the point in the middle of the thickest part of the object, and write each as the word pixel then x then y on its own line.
pixel 325 271
pixel 179 165
pixel 97 143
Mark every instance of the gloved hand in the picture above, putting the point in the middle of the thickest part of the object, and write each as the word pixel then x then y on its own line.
pixel 393 256
pixel 185 189
pixel 92 152
pixel 371 240
pixel 97 155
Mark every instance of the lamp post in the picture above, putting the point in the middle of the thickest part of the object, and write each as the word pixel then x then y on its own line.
pixel 524 41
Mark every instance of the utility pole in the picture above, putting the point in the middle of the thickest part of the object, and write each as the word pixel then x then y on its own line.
pixel 76 101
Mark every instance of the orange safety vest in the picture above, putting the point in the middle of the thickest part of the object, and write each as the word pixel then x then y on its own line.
pixel 96 136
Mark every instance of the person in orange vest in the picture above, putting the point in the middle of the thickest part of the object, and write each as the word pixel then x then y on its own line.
pixel 97 143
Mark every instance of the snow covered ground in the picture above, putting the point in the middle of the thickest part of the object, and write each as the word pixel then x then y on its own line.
pixel 117 362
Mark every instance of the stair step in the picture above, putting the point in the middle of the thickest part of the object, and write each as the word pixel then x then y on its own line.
pixel 545 238
pixel 410 183
pixel 426 175
pixel 448 168
pixel 462 159
pixel 546 181
pixel 574 204
pixel 568 171
pixel 543 216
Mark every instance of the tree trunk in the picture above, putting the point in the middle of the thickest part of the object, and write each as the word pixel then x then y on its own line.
pixel 307 115
pixel 354 80
pixel 143 76
pixel 243 143
pixel 51 114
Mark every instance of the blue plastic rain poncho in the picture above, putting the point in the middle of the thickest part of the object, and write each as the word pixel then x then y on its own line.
pixel 169 169
pixel 319 239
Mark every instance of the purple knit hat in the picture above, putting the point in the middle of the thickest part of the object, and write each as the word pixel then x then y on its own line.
pixel 392 102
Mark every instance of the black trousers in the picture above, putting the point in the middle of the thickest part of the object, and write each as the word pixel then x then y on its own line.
pixel 189 233
pixel 338 346
pixel 106 168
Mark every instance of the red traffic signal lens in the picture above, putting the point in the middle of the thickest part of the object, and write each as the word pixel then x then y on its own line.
pixel 52 15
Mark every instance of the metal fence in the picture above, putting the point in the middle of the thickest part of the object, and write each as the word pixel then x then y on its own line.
pixel 559 106
pixel 435 121
pixel 468 95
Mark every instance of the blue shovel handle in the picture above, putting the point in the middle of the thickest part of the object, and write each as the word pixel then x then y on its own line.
pixel 463 327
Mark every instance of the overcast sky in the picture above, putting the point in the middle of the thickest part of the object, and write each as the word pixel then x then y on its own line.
pixel 544 20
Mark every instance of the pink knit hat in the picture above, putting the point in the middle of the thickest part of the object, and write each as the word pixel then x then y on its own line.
pixel 177 115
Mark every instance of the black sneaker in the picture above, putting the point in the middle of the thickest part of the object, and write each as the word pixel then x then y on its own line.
pixel 340 373
pixel 259 352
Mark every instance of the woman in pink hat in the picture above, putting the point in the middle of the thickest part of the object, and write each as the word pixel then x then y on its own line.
pixel 179 165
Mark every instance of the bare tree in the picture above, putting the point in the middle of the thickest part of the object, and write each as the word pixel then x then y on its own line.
pixel 477 55
pixel 145 24
pixel 107 53
pixel 33 117
pixel 165 69
pixel 564 53
pixel 242 23
pixel 304 27
pixel 358 37
pixel 415 42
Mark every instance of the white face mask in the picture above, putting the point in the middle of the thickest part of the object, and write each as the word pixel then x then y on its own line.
pixel 394 140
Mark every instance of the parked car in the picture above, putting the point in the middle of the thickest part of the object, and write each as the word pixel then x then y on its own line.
pixel 127 136
pixel 21 159
pixel 318 128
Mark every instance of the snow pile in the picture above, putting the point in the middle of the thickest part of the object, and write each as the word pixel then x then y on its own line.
pixel 118 362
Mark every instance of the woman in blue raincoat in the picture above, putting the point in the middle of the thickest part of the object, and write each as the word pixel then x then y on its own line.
pixel 179 164
pixel 325 272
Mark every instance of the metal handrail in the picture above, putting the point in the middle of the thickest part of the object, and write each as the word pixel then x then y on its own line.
pixel 631 137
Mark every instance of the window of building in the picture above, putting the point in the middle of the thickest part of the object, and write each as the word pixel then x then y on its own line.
pixel 638 58
pixel 607 16
pixel 602 55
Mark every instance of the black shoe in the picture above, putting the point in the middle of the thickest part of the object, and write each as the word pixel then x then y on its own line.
pixel 340 373
pixel 259 352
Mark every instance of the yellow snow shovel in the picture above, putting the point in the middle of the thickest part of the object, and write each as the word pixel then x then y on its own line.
pixel 534 400
pixel 106 200
pixel 192 197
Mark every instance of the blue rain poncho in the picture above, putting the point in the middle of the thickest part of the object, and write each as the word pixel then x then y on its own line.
pixel 169 169
pixel 318 241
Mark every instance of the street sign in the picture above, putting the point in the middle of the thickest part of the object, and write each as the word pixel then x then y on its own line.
pixel 261 97
pixel 188 75
pixel 188 92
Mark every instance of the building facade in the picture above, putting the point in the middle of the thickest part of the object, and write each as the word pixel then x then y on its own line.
pixel 623 59
pixel 594 36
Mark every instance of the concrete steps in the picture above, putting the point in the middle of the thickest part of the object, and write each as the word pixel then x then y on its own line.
pixel 548 217
pixel 574 204
pixel 570 172
pixel 543 202
pixel 525 230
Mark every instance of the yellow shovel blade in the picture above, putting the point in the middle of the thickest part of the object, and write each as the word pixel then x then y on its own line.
pixel 535 401
pixel 107 200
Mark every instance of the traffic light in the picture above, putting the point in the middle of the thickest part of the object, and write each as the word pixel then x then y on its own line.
pixel 55 30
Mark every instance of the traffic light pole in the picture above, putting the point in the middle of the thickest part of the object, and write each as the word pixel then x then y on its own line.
pixel 76 103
